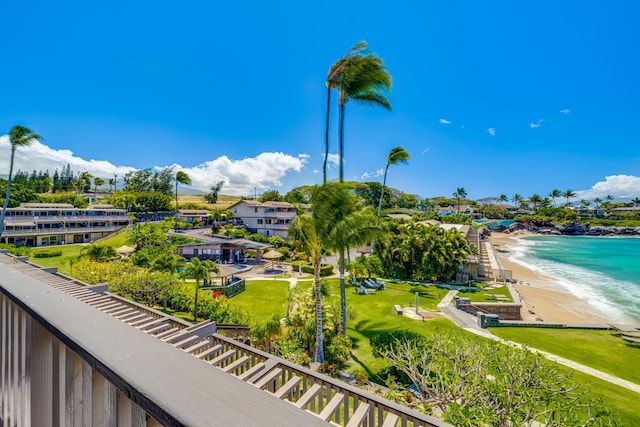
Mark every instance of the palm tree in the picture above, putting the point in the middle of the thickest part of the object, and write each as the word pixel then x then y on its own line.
pixel 98 252
pixel 97 182
pixel 84 181
pixel 334 77
pixel 536 199
pixel 307 230
pixel 460 193
pixel 19 136
pixel 568 194
pixel 597 201
pixel 554 194
pixel 503 198
pixel 112 184
pixel 635 201
pixel 347 227
pixel 396 155
pixel 181 178
pixel 199 270
pixel 364 80
pixel 517 199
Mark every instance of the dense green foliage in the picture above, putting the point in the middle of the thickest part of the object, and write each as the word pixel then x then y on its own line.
pixel 417 251
pixel 474 381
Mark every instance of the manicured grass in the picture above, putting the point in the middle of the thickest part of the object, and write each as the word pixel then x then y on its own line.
pixel 481 294
pixel 262 298
pixel 374 314
pixel 68 252
pixel 116 240
pixel 622 402
pixel 601 350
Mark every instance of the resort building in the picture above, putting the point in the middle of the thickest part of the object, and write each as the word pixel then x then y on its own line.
pixel 222 249
pixel 268 218
pixel 45 224
pixel 191 215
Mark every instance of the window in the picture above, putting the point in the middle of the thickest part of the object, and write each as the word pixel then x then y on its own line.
pixel 267 221
pixel 260 221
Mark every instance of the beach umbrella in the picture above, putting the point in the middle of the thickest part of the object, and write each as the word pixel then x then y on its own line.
pixel 125 250
pixel 272 255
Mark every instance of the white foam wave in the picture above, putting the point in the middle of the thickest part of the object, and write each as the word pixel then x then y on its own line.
pixel 617 300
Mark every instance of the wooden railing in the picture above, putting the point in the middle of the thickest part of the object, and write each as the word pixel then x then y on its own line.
pixel 77 355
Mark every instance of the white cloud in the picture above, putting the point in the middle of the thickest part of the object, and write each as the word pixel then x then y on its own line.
pixel 618 186
pixel 444 122
pixel 537 124
pixel 492 131
pixel 375 174
pixel 333 160
pixel 316 171
pixel 565 111
pixel 426 150
pixel 240 176
pixel 42 157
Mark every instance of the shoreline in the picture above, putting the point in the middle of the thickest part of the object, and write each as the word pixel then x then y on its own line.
pixel 541 297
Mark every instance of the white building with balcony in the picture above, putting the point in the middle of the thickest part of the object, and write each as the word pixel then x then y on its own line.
pixel 45 224
pixel 268 218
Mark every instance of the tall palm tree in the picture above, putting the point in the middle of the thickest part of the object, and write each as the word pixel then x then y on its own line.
pixel 334 78
pixel 307 230
pixel 346 226
pixel 503 198
pixel 568 194
pixel 460 193
pixel 97 182
pixel 635 201
pixel 19 136
pixel 365 80
pixel 554 194
pixel 199 271
pixel 396 156
pixel 112 184
pixel 181 178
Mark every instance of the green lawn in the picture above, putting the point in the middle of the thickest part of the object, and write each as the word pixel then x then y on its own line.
pixel 262 298
pixel 68 252
pixel 601 350
pixel 480 295
pixel 623 403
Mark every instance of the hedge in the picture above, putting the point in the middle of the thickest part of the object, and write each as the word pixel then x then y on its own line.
pixel 46 254
pixel 325 269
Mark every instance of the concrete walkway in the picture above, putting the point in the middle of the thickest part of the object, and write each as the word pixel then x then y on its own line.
pixel 469 323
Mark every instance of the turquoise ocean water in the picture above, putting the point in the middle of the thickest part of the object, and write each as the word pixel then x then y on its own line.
pixel 603 270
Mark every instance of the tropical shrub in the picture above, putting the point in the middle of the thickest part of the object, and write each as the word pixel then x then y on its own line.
pixel 46 254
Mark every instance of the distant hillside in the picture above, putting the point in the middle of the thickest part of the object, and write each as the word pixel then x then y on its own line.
pixel 224 201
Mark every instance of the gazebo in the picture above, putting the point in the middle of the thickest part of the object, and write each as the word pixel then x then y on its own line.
pixel 125 251
pixel 272 255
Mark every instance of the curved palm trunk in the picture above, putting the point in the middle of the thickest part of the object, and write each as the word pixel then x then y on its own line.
pixel 6 199
pixel 319 353
pixel 341 141
pixel 343 299
pixel 384 183
pixel 326 137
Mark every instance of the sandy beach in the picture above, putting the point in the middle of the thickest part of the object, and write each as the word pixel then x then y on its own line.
pixel 542 298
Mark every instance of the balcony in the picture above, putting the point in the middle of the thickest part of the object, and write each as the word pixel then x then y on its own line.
pixel 73 354
pixel 54 231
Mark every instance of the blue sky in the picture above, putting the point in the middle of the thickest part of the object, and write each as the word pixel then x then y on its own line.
pixel 496 96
